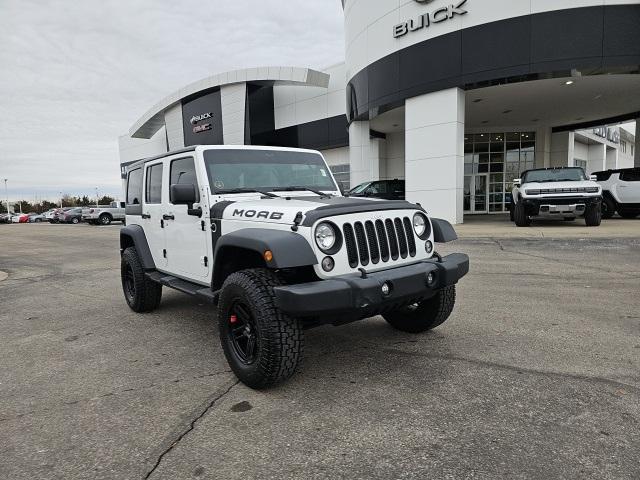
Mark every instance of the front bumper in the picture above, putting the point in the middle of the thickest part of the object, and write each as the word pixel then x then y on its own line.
pixel 552 206
pixel 351 297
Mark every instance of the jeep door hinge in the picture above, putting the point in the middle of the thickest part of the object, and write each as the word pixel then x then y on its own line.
pixel 205 261
pixel 164 253
pixel 202 226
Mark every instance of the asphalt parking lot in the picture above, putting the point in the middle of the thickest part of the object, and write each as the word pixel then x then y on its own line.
pixel 536 375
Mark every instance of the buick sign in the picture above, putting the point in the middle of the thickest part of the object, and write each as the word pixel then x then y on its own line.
pixel 198 118
pixel 439 15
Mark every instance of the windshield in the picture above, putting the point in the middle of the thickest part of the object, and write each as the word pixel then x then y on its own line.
pixel 360 188
pixel 266 170
pixel 556 175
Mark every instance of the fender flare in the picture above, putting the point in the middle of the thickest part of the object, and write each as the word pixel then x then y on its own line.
pixel 289 249
pixel 443 231
pixel 133 235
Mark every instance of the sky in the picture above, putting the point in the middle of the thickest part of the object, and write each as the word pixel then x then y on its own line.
pixel 75 75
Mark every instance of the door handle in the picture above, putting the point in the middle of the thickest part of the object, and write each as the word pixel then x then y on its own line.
pixel 168 217
pixel 146 215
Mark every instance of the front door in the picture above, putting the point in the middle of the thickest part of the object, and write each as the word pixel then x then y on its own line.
pixel 629 187
pixel 476 193
pixel 186 235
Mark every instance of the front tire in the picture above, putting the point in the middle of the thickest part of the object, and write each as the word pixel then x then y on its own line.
pixel 75 221
pixel 629 214
pixel 262 345
pixel 141 293
pixel 593 216
pixel 608 208
pixel 425 315
pixel 520 216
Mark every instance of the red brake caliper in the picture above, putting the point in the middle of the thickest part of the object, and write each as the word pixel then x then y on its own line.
pixel 233 319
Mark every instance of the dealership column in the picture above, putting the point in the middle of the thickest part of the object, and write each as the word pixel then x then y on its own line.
pixel 434 158
pixel 364 154
pixel 232 99
pixel 637 148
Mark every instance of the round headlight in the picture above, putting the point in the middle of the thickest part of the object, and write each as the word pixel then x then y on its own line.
pixel 325 236
pixel 419 224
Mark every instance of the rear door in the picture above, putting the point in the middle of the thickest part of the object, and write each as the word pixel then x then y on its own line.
pixel 629 186
pixel 186 234
pixel 152 211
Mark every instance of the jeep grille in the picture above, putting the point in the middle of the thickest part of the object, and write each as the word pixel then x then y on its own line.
pixel 379 241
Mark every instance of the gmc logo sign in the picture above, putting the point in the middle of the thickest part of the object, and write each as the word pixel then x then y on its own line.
pixel 440 15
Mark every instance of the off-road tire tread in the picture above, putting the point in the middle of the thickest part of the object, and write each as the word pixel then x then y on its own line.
pixel 593 216
pixel 282 339
pixel 430 314
pixel 148 292
pixel 520 216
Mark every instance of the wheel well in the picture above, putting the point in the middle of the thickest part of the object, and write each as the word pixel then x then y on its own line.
pixel 125 242
pixel 607 194
pixel 233 259
pixel 106 213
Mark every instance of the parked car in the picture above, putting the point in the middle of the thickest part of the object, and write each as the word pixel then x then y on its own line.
pixel 72 215
pixel 36 218
pixel 20 218
pixel 563 193
pixel 104 215
pixel 5 218
pixel 387 189
pixel 58 214
pixel 620 192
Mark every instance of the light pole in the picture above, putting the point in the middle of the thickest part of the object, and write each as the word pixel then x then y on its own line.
pixel 60 199
pixel 97 203
pixel 6 194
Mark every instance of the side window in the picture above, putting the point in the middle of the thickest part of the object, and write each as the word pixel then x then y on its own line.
pixel 153 190
pixel 183 171
pixel 630 176
pixel 134 187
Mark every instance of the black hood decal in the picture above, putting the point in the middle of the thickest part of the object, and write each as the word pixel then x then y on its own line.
pixel 346 205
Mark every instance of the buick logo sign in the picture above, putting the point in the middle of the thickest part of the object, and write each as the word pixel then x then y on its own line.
pixel 198 118
pixel 442 14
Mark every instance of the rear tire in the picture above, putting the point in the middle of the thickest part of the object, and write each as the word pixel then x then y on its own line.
pixel 425 315
pixel 593 216
pixel 262 345
pixel 105 219
pixel 141 293
pixel 608 208
pixel 75 221
pixel 520 216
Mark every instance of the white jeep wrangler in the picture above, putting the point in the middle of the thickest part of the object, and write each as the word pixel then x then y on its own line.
pixel 564 193
pixel 620 192
pixel 265 234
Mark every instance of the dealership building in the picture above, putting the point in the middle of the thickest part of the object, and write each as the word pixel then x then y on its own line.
pixel 457 97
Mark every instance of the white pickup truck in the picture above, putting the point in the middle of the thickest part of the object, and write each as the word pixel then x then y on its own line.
pixel 104 214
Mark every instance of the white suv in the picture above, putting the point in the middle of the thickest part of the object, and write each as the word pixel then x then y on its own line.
pixel 621 192
pixel 264 234
pixel 563 193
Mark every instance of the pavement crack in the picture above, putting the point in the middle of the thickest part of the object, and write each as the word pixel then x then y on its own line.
pixel 513 368
pixel 203 411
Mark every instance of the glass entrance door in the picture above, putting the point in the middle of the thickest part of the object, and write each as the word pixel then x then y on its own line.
pixel 476 193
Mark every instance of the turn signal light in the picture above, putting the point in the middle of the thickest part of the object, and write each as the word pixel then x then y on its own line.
pixel 268 255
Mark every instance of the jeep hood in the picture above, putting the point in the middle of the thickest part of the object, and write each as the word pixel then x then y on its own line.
pixel 281 210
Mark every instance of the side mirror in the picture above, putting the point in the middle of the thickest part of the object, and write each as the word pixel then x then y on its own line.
pixel 183 194
pixel 517 182
pixel 593 178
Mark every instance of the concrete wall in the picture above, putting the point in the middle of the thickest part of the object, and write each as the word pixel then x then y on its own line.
pixel 136 148
pixel 175 128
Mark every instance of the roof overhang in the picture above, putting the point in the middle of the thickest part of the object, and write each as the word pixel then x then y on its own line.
pixel 153 120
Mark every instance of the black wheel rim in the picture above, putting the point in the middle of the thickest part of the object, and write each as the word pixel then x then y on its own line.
pixel 129 282
pixel 243 334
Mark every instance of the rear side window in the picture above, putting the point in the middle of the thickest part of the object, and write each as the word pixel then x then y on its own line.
pixel 183 171
pixel 153 193
pixel 630 176
pixel 134 187
pixel 603 176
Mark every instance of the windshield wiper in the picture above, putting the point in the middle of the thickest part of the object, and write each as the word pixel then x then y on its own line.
pixel 302 189
pixel 248 190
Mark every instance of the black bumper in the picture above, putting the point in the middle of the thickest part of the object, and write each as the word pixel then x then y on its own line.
pixel 532 205
pixel 350 297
